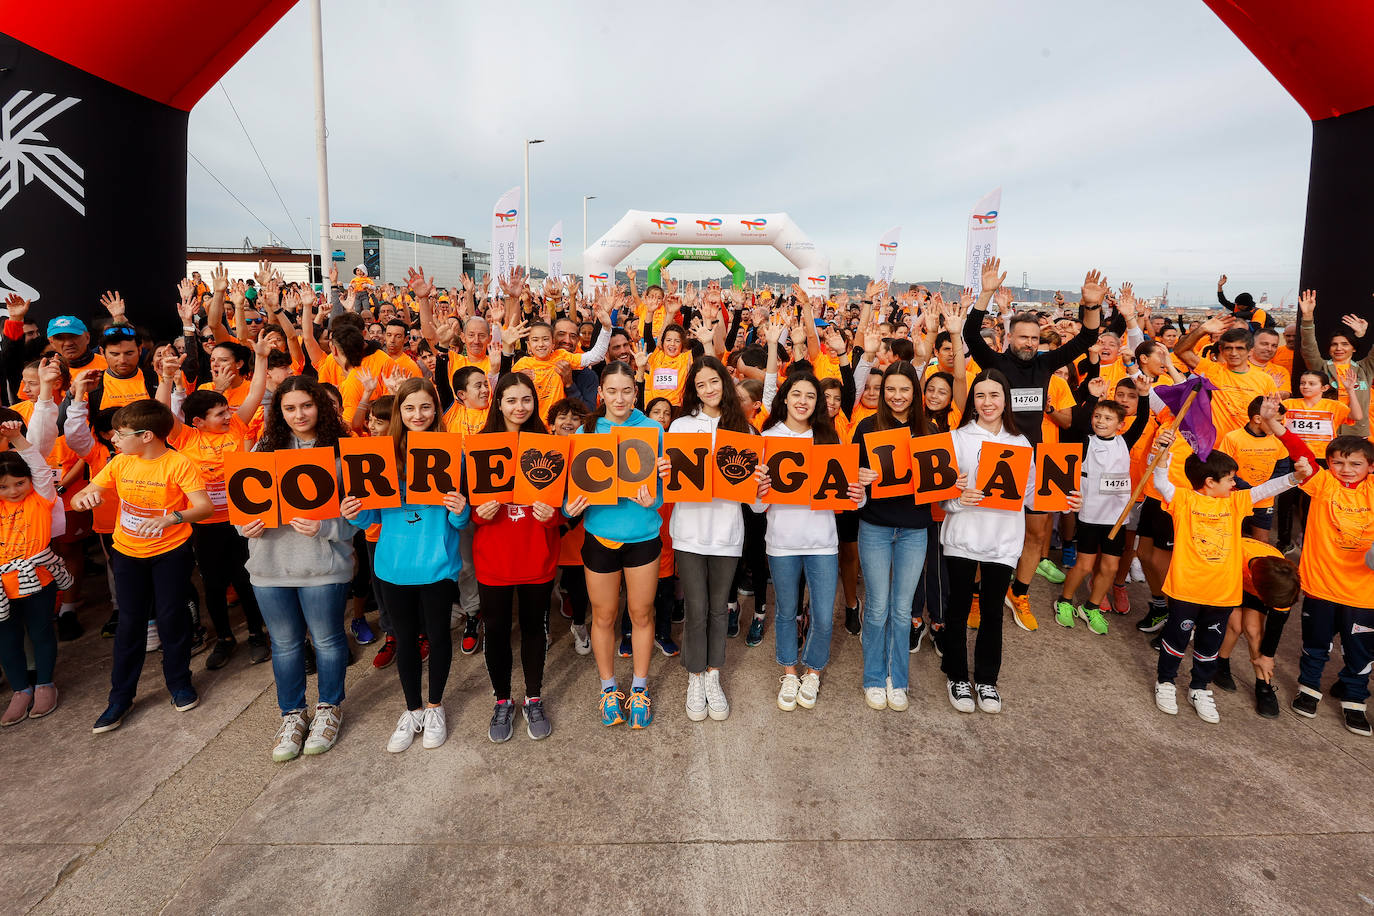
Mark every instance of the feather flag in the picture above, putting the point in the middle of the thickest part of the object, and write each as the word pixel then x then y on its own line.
pixel 1195 426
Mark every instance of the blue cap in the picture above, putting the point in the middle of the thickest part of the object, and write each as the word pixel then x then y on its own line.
pixel 66 324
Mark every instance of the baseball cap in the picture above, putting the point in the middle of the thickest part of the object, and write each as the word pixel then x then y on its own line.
pixel 66 324
pixel 251 294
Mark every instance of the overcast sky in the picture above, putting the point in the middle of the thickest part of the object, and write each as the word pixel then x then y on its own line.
pixel 1141 138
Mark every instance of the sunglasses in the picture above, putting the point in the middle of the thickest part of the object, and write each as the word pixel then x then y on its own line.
pixel 118 332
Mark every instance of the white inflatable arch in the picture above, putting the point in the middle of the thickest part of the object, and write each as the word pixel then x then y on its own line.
pixel 648 227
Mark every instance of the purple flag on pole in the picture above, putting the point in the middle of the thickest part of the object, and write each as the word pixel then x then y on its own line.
pixel 1196 428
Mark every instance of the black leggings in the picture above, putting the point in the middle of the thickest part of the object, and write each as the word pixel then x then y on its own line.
pixel 221 553
pixel 573 581
pixel 932 593
pixel 496 605
pixel 987 648
pixel 410 607
pixel 753 564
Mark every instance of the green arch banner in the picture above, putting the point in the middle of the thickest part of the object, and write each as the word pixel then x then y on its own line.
pixel 675 253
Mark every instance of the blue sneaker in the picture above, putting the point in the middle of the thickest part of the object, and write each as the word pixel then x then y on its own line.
pixel 1068 555
pixel 362 633
pixel 611 711
pixel 641 709
pixel 111 718
pixel 755 634
pixel 185 699
pixel 626 647
pixel 666 645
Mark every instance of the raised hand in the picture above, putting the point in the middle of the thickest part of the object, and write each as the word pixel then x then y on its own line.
pixel 1218 324
pixel 1003 297
pixel 772 331
pixel 114 304
pixel 1221 282
pixel 1097 387
pixel 641 355
pixel 333 274
pixel 1126 303
pixel 1356 324
pixel 219 279
pixel 18 306
pixel 421 286
pixel 992 274
pixel 263 276
pixel 1307 302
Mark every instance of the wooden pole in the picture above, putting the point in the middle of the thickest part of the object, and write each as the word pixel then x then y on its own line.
pixel 1154 462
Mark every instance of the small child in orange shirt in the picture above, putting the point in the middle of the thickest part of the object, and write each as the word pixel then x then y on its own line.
pixel 31 575
pixel 1204 583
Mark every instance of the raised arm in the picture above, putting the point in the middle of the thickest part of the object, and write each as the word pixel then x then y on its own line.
pixel 1215 326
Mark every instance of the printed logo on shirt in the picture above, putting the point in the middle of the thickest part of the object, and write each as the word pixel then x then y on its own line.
pixel 1215 628
pixel 1360 628
pixel 1186 625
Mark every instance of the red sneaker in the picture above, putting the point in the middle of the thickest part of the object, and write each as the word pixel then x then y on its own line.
pixel 386 654
pixel 424 648
pixel 1121 601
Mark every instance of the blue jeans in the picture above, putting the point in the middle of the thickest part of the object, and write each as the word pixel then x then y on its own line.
pixel 288 613
pixel 892 560
pixel 822 573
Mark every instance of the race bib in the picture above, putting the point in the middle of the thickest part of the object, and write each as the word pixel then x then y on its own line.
pixel 218 492
pixel 665 379
pixel 1114 484
pixel 131 517
pixel 1317 425
pixel 1025 400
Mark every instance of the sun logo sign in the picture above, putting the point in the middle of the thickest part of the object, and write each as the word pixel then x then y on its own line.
pixel 667 222
pixel 986 220
pixel 506 217
pixel 754 224
pixel 709 223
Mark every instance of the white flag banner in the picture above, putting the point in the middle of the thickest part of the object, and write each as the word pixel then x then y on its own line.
pixel 556 251
pixel 887 255
pixel 505 235
pixel 982 238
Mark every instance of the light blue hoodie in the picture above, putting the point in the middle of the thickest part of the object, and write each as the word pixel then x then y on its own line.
pixel 626 522
pixel 418 544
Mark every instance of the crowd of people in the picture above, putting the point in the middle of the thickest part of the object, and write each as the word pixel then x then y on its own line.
pixel 115 443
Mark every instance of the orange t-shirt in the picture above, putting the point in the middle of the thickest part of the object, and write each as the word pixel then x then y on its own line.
pixel 463 420
pixel 233 395
pixel 1340 530
pixel 548 384
pixel 843 427
pixel 860 413
pixel 666 376
pixel 25 529
pixel 328 369
pixel 825 365
pixel 147 488
pixel 1061 397
pixel 1316 425
pixel 121 391
pixel 1345 380
pixel 1231 402
pixel 1256 456
pixel 207 450
pixel 104 517
pixel 406 365
pixel 1280 375
pixel 1206 564
pixel 458 361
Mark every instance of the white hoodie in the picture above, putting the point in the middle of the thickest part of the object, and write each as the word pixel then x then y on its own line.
pixel 975 533
pixel 715 528
pixel 795 531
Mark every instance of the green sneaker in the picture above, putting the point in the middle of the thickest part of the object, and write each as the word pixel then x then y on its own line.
pixel 1063 612
pixel 1096 622
pixel 1049 571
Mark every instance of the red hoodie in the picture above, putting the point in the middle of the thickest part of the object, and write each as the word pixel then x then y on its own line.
pixel 512 548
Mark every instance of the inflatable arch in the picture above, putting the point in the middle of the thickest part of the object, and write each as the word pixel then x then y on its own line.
pixel 739 275
pixel 682 230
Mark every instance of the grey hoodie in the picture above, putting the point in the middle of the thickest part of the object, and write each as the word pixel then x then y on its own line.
pixel 284 558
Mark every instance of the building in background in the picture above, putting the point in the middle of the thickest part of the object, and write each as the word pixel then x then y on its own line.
pixel 296 265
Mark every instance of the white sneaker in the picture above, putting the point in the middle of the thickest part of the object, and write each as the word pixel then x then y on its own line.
pixel 696 697
pixel 582 640
pixel 960 695
pixel 989 700
pixel 1137 574
pixel 154 641
pixel 1205 706
pixel 875 697
pixel 810 688
pixel 289 737
pixel 896 697
pixel 787 696
pixel 407 727
pixel 324 729
pixel 716 705
pixel 1166 698
pixel 435 728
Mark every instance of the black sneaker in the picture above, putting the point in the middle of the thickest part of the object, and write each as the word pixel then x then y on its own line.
pixel 918 633
pixel 500 729
pixel 732 620
pixel 1222 678
pixel 679 610
pixel 185 699
pixel 1356 721
pixel 68 627
pixel 667 646
pixel 627 648
pixel 537 724
pixel 259 648
pixel 198 637
pixel 1154 619
pixel 755 634
pixel 1156 641
pixel 1266 700
pixel 309 651
pixel 111 718
pixel 108 630
pixel 1304 704
pixel 935 642
pixel 852 622
pixel 219 655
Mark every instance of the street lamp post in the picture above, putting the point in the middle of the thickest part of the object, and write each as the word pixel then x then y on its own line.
pixel 585 198
pixel 527 205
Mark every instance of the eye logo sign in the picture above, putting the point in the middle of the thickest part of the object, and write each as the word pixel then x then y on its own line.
pixel 755 224
pixel 668 222
pixel 888 247
pixel 600 278
pixel 556 243
pixel 709 223
pixel 986 220
pixel 507 216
